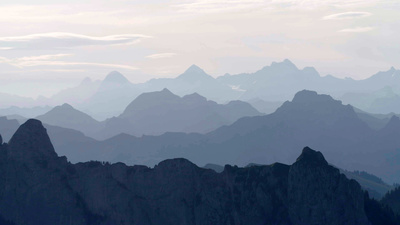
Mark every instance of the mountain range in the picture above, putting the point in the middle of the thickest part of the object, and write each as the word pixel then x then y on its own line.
pixel 154 113
pixel 38 187
pixel 309 119
pixel 265 88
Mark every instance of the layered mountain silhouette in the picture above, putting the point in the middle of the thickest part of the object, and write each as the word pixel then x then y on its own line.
pixel 264 88
pixel 309 119
pixel 162 111
pixel 38 187
pixel 385 100
pixel 153 113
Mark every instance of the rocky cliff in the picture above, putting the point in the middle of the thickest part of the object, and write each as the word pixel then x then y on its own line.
pixel 38 187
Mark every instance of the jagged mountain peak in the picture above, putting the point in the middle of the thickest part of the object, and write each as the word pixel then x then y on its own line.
pixel 311 156
pixel 285 64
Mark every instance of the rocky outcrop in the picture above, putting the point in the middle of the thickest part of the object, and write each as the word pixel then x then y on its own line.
pixel 37 187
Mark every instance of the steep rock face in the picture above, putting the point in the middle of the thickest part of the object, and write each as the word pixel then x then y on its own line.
pixel 33 181
pixel 178 192
pixel 319 194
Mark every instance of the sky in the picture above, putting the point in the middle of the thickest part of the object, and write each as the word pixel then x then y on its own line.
pixel 49 45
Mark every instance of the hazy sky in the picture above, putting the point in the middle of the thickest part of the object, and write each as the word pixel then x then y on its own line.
pixel 48 45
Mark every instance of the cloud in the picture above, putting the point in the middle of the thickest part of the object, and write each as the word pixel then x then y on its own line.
pixel 347 15
pixel 161 55
pixel 66 40
pixel 357 30
pixel 51 61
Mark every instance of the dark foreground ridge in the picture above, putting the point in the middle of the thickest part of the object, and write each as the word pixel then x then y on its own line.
pixel 37 187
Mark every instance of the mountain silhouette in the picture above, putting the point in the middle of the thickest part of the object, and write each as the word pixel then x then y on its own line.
pixel 194 74
pixel 159 112
pixel 68 117
pixel 38 187
pixel 309 119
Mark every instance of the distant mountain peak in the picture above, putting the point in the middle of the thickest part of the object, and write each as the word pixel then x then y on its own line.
pixel 306 96
pixel 165 91
pixel 194 73
pixel 195 97
pixel 116 77
pixel 194 69
pixel 393 125
pixel 66 106
pixel 285 64
pixel 87 80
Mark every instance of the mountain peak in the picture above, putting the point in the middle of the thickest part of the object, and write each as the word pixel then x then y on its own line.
pixel 193 74
pixel 31 138
pixel 165 91
pixel 148 100
pixel 85 81
pixel 66 106
pixel 195 97
pixel 116 77
pixel 393 126
pixel 306 96
pixel 311 156
pixel 194 69
pixel 285 64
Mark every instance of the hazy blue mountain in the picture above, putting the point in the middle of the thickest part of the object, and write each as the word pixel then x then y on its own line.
pixel 374 121
pixel 7 128
pixel 9 100
pixel 194 79
pixel 385 100
pixel 38 187
pixel 25 112
pixel 375 186
pixel 68 117
pixel 281 80
pixel 114 93
pixel 162 111
pixel 75 95
pixel 316 120
pixel 264 106
pixel 275 83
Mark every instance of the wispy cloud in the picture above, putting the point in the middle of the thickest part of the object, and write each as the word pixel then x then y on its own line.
pixel 357 30
pixel 66 40
pixel 161 55
pixel 52 60
pixel 347 15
